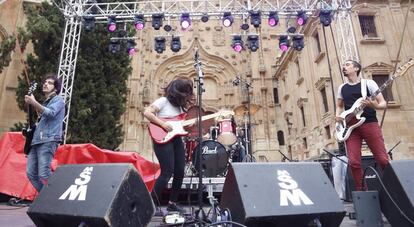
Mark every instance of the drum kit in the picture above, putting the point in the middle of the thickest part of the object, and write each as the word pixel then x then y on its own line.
pixel 224 141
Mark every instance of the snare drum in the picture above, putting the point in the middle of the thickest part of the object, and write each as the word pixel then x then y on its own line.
pixel 227 130
pixel 214 158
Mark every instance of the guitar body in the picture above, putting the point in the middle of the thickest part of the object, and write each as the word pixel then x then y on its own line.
pixel 350 121
pixel 28 133
pixel 160 136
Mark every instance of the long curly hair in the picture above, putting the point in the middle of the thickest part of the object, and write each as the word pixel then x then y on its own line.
pixel 179 92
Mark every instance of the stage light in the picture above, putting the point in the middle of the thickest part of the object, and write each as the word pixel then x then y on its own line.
pixel 157 20
pixel 88 23
pixel 175 44
pixel 237 43
pixel 114 46
pixel 325 17
pixel 204 18
pixel 283 43
pixel 273 19
pixel 255 18
pixel 167 28
pixel 111 24
pixel 227 19
pixel 185 21
pixel 298 42
pixel 131 47
pixel 253 42
pixel 301 18
pixel 244 27
pixel 139 22
pixel 159 45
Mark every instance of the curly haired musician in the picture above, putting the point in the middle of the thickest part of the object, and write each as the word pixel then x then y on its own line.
pixel 170 155
pixel 370 131
pixel 48 133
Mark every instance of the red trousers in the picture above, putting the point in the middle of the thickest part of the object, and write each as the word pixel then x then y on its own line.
pixel 371 133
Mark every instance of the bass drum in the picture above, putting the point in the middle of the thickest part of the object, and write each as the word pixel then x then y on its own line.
pixel 214 158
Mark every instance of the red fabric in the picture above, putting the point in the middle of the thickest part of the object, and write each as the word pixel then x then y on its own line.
pixel 13 179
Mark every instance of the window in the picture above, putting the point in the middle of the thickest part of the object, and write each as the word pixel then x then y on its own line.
pixel 302 110
pixel 305 143
pixel 380 79
pixel 298 67
pixel 280 138
pixel 276 95
pixel 317 42
pixel 328 132
pixel 367 23
pixel 324 100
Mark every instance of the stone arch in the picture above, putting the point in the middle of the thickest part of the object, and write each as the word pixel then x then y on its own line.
pixel 218 73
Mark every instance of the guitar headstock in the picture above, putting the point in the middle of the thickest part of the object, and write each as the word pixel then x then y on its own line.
pixel 403 69
pixel 32 88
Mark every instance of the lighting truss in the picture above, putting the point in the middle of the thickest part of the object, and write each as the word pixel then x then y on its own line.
pixel 74 10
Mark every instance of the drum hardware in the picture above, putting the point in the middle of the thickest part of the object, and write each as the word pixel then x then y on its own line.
pixel 214 158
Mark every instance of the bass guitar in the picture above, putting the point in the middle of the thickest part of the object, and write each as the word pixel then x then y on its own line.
pixel 160 136
pixel 31 126
pixel 352 117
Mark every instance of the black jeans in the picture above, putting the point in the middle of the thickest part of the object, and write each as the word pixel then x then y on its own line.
pixel 171 157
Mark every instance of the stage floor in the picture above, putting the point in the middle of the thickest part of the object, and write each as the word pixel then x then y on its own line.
pixel 17 217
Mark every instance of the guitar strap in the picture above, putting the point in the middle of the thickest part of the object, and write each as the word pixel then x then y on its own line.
pixel 364 87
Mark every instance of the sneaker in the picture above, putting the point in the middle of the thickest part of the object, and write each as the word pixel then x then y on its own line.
pixel 175 207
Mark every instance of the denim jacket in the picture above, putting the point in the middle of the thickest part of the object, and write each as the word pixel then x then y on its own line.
pixel 50 125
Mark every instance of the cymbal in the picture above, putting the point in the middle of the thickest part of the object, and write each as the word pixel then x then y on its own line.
pixel 242 109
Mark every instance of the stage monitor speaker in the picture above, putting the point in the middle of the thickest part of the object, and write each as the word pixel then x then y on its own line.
pixel 281 194
pixel 399 181
pixel 93 195
pixel 367 208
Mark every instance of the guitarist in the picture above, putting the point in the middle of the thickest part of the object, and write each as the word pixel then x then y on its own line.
pixel 48 133
pixel 170 155
pixel 369 131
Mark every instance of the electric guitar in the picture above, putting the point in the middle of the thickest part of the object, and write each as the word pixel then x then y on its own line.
pixel 160 136
pixel 31 126
pixel 352 117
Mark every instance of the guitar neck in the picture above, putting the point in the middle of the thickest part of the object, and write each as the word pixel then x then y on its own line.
pixel 203 118
pixel 380 89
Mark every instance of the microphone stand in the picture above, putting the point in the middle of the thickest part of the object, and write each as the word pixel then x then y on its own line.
pixel 284 156
pixel 392 148
pixel 200 215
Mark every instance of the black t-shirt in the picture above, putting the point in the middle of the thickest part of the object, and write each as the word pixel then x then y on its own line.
pixel 351 93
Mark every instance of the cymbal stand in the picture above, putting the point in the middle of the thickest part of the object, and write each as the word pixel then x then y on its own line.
pixel 247 128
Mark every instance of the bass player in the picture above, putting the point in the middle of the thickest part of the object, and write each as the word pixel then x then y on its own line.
pixel 369 130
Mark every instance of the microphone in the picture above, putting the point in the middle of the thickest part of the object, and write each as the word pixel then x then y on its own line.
pixel 236 81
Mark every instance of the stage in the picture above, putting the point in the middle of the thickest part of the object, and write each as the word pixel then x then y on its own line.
pixel 17 217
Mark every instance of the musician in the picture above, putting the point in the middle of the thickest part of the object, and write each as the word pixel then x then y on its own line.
pixel 369 131
pixel 170 155
pixel 48 132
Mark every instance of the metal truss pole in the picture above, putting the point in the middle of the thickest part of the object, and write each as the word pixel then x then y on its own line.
pixel 69 54
pixel 347 46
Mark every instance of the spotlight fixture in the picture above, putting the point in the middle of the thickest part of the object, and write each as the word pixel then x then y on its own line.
pixel 175 44
pixel 204 18
pixel 301 18
pixel 253 42
pixel 298 42
pixel 273 19
pixel 283 43
pixel 237 43
pixel 159 45
pixel 325 17
pixel 111 24
pixel 157 20
pixel 88 23
pixel 255 18
pixel 167 28
pixel 227 19
pixel 139 22
pixel 244 27
pixel 185 21
pixel 131 47
pixel 114 46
